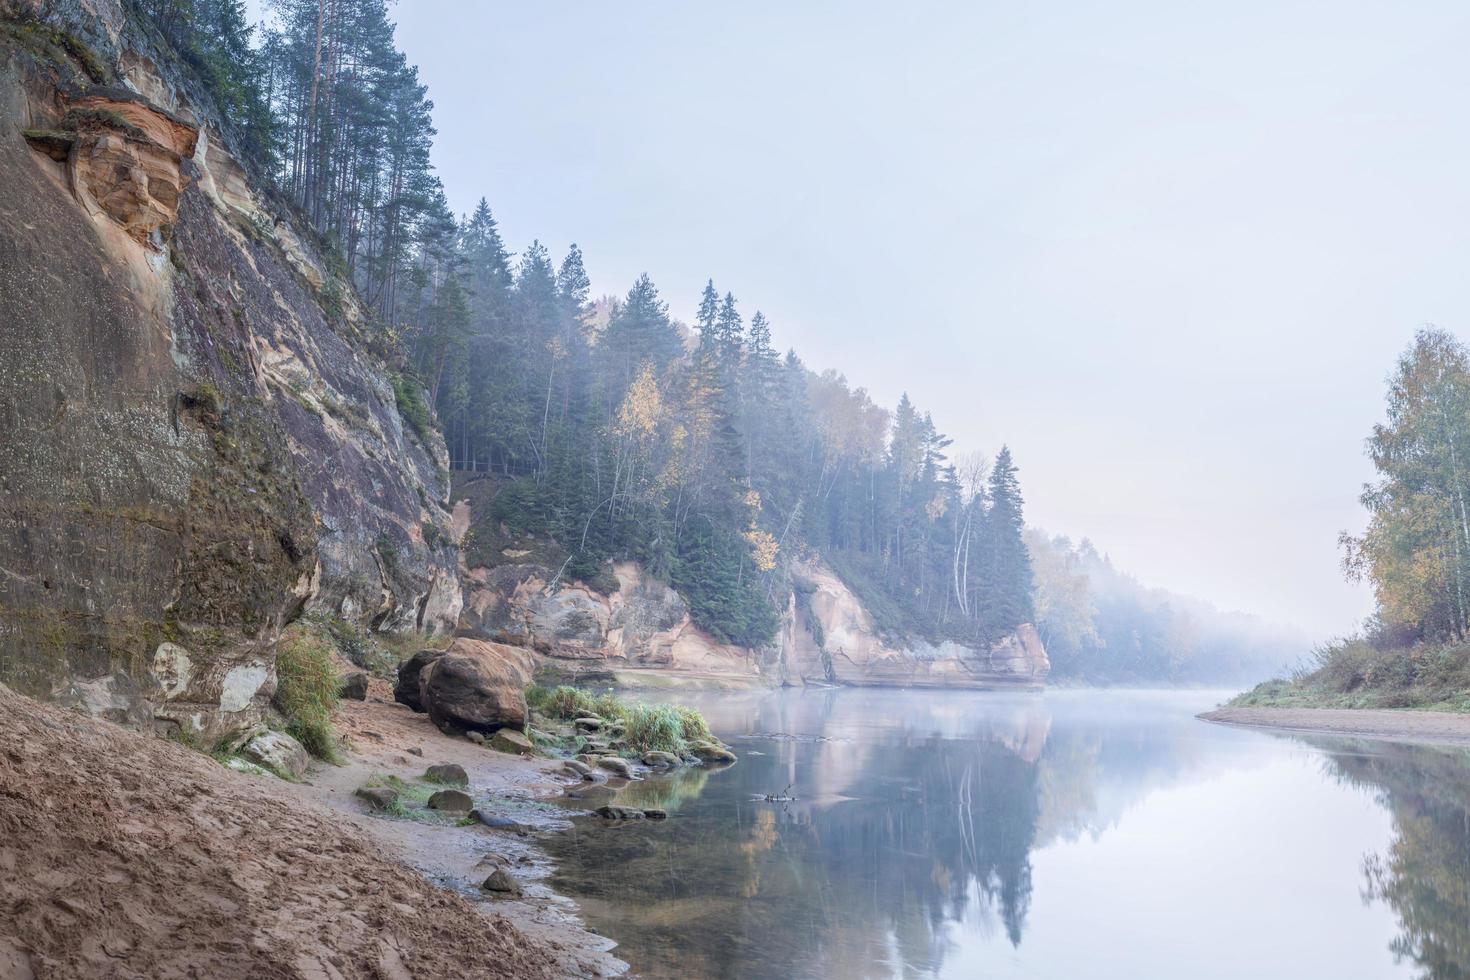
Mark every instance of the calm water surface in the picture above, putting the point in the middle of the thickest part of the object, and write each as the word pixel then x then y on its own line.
pixel 1088 834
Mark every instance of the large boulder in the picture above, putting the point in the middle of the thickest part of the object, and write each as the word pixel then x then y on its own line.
pixel 277 752
pixel 476 686
pixel 406 691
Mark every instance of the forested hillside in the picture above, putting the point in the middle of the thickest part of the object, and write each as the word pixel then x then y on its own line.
pixel 618 430
pixel 1102 626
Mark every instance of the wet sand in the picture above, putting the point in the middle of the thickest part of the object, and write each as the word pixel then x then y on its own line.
pixel 1434 727
pixel 378 734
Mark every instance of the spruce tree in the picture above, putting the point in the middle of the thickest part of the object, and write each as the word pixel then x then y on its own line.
pixel 1007 597
pixel 706 316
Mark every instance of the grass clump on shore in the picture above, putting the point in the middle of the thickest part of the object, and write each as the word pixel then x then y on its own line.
pixel 609 707
pixel 306 691
pixel 694 727
pixel 655 727
pixel 1362 673
pixel 646 727
pixel 563 701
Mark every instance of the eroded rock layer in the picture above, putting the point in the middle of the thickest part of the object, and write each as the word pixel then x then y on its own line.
pixel 636 628
pixel 197 446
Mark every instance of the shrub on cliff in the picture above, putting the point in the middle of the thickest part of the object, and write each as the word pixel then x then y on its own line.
pixel 306 690
pixel 411 405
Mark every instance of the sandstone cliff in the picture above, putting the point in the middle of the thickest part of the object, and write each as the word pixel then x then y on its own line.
pixel 198 446
pixel 636 629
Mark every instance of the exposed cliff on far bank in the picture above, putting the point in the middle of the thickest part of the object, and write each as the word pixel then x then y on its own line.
pixel 635 629
pixel 200 444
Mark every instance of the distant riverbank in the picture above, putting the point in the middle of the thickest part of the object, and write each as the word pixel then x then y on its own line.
pixel 1438 727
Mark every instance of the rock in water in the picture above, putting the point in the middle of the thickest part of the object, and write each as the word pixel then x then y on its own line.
pixel 710 752
pixel 449 774
pixel 497 822
pixel 354 687
pixel 476 686
pixel 512 741
pixel 278 752
pixel 661 760
pixel 406 691
pixel 616 766
pixel 500 883
pixel 594 791
pixel 613 812
pixel 455 800
pixel 578 768
pixel 377 797
pixel 654 813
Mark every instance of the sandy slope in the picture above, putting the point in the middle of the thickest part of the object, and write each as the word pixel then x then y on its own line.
pixel 1403 726
pixel 123 855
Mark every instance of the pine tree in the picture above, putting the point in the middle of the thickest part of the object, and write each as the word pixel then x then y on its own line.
pixel 729 334
pixel 640 331
pixel 1007 597
pixel 574 288
pixel 706 316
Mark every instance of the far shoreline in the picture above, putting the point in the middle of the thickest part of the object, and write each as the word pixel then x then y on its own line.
pixel 1390 725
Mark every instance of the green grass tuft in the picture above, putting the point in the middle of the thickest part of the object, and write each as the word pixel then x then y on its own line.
pixel 695 728
pixel 656 727
pixel 564 701
pixel 610 707
pixel 306 691
pixel 648 727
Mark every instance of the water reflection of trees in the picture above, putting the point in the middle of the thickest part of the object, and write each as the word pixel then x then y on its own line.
pixel 1425 874
pixel 896 836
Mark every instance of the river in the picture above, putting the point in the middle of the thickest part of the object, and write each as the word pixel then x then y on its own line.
pixel 1060 835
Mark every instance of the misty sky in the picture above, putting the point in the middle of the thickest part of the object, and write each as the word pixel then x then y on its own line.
pixel 1167 253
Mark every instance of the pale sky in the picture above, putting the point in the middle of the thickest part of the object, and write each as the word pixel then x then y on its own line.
pixel 1167 253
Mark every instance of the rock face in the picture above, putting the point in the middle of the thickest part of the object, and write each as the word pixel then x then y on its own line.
pixel 197 446
pixel 476 686
pixel 124 157
pixel 640 624
pixel 851 651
